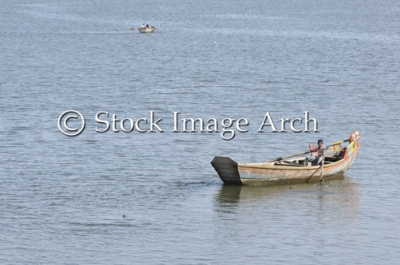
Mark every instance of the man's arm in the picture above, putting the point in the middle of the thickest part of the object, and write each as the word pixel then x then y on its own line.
pixel 312 149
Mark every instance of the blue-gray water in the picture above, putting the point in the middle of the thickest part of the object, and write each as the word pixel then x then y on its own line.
pixel 62 198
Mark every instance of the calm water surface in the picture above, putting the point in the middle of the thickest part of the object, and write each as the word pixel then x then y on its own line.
pixel 63 197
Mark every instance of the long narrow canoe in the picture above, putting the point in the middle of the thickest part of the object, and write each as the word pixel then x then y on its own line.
pixel 337 161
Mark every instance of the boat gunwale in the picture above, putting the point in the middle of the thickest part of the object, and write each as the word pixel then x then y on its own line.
pixel 290 167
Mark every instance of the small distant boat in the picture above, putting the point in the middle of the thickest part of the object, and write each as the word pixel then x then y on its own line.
pixel 337 161
pixel 146 29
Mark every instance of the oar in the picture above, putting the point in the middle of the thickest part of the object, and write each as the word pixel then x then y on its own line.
pixel 321 178
pixel 312 174
pixel 303 153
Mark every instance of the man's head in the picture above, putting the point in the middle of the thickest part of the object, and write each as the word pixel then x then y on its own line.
pixel 320 142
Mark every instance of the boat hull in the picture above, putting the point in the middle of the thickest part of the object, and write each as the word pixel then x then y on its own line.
pixel 232 172
pixel 146 30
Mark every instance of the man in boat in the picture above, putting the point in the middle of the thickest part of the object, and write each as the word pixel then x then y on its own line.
pixel 317 153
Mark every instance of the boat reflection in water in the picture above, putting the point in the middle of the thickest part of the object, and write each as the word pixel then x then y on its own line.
pixel 339 194
pixel 286 221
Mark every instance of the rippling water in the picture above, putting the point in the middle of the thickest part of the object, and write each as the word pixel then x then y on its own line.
pixel 63 197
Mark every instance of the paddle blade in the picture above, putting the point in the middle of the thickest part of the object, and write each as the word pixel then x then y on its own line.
pixel 337 142
pixel 336 147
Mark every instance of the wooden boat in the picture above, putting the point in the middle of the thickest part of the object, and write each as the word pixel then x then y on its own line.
pixel 145 29
pixel 336 162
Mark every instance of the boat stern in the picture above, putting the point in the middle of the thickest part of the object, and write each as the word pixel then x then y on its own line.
pixel 227 169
